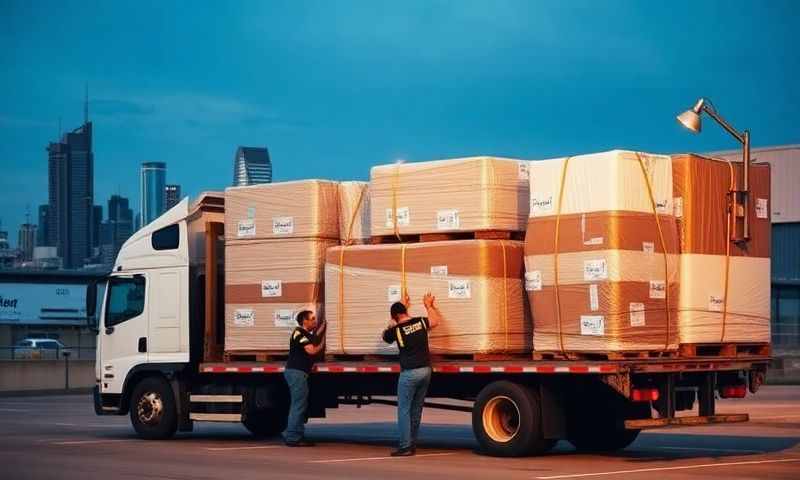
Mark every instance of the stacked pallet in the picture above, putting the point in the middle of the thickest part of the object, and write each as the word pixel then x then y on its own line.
pixel 276 236
pixel 725 285
pixel 354 213
pixel 601 254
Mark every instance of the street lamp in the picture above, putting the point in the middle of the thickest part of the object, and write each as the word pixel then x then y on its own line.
pixel 692 121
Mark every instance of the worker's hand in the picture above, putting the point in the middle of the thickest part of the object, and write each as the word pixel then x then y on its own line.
pixel 428 300
pixel 321 327
pixel 406 300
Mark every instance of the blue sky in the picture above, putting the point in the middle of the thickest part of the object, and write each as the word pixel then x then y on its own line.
pixel 333 88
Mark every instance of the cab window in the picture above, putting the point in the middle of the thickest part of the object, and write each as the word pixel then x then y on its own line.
pixel 125 299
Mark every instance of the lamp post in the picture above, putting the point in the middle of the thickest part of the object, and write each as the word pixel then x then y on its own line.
pixel 692 121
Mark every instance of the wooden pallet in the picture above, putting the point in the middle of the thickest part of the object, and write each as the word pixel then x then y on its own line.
pixel 479 357
pixel 347 357
pixel 694 350
pixel 446 236
pixel 604 356
pixel 255 356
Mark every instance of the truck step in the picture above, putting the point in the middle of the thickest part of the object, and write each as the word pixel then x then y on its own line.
pixel 216 417
pixel 215 398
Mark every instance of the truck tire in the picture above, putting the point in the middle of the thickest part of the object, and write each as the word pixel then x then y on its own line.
pixel 601 428
pixel 266 423
pixel 153 411
pixel 507 421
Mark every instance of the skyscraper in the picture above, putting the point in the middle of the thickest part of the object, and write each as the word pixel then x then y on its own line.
pixel 71 195
pixel 172 195
pixel 44 226
pixel 116 229
pixel 152 180
pixel 251 166
pixel 97 219
pixel 26 241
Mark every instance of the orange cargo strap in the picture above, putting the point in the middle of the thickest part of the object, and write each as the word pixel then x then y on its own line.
pixel 505 294
pixel 348 241
pixel 732 187
pixel 395 181
pixel 349 238
pixel 663 246
pixel 555 253
pixel 403 287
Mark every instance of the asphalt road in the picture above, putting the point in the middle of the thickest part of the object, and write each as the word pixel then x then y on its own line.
pixel 60 437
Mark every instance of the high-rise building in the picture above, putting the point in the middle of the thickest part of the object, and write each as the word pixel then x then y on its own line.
pixel 172 195
pixel 97 219
pixel 71 195
pixel 26 241
pixel 251 166
pixel 116 229
pixel 152 181
pixel 44 224
pixel 7 255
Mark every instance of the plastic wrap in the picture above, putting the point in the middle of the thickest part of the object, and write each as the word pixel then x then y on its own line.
pixel 304 208
pixel 477 284
pixel 354 212
pixel 601 253
pixel 725 286
pixel 466 194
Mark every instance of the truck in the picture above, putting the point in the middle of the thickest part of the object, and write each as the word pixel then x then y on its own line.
pixel 160 360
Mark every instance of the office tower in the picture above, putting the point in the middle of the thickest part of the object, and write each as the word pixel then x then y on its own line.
pixel 97 219
pixel 172 195
pixel 251 166
pixel 26 241
pixel 44 222
pixel 152 181
pixel 7 255
pixel 116 229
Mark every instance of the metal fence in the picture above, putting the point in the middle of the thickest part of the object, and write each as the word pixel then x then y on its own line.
pixel 29 353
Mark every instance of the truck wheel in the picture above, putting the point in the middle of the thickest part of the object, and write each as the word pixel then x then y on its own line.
pixel 506 421
pixel 603 429
pixel 266 423
pixel 153 412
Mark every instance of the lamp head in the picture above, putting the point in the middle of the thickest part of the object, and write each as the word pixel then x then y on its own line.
pixel 691 118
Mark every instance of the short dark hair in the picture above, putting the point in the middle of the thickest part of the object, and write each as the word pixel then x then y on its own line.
pixel 302 316
pixel 397 309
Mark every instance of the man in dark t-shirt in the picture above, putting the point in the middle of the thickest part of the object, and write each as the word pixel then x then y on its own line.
pixel 307 340
pixel 411 335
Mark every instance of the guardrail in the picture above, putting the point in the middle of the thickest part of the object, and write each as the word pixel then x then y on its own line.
pixel 29 353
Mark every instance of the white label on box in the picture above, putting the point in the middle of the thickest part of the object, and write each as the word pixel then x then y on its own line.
pixel 662 206
pixel 533 280
pixel 459 289
pixel 251 212
pixel 677 206
pixel 594 241
pixel 593 325
pixel 244 317
pixel 394 293
pixel 284 318
pixel 636 312
pixel 282 225
pixel 715 303
pixel 595 270
pixel 271 288
pixel 648 247
pixel 541 206
pixel 403 217
pixel 523 171
pixel 247 228
pixel 438 270
pixel 594 302
pixel 658 289
pixel 762 210
pixel 447 220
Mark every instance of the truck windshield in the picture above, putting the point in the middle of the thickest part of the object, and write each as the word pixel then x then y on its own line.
pixel 125 299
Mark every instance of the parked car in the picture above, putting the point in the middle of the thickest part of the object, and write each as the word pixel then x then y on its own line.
pixel 40 348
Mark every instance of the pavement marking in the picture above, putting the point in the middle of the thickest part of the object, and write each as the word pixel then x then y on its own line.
pixel 661 469
pixel 703 449
pixel 223 449
pixel 86 442
pixel 362 459
pixel 13 410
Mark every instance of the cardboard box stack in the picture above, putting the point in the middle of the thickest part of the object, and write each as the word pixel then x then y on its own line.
pixel 354 213
pixel 714 309
pixel 601 253
pixel 276 236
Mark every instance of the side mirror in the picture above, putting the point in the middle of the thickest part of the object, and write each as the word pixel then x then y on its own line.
pixel 91 306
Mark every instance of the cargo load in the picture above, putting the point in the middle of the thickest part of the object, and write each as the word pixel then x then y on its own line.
pixel 477 285
pixel 354 216
pixel 725 285
pixel 303 208
pixel 458 195
pixel 601 254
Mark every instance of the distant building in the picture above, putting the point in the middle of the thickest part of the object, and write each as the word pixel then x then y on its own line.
pixel 26 241
pixel 71 195
pixel 251 166
pixel 43 230
pixel 7 256
pixel 172 195
pixel 46 258
pixel 116 229
pixel 152 181
pixel 97 219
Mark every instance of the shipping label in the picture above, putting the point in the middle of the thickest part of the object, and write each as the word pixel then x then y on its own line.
pixel 284 318
pixel 438 270
pixel 658 289
pixel 762 208
pixel 662 206
pixel 244 317
pixel 594 270
pixel 541 206
pixel 677 207
pixel 251 212
pixel 648 247
pixel 594 241
pixel 246 228
pixel 394 293
pixel 593 325
pixel 523 171
pixel 271 288
pixel 459 289
pixel 533 280
pixel 447 220
pixel 594 301
pixel 715 303
pixel 282 225
pixel 403 217
pixel 636 313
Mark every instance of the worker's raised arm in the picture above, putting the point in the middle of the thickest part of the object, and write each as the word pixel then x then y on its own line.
pixel 313 349
pixel 434 316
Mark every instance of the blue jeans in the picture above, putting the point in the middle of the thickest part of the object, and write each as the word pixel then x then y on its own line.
pixel 298 391
pixel 411 389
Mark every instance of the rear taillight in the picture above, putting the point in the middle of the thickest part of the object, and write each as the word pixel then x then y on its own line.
pixel 733 391
pixel 644 394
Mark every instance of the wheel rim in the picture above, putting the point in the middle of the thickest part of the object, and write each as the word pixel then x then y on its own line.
pixel 150 408
pixel 501 419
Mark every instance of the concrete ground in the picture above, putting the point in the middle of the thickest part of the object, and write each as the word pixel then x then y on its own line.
pixel 60 437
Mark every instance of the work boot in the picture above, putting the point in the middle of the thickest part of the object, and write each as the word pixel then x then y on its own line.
pixel 404 452
pixel 299 443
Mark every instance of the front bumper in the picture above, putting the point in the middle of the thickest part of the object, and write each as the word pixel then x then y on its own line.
pixel 105 404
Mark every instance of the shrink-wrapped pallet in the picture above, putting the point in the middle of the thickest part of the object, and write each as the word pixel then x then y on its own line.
pixel 601 254
pixel 267 283
pixel 458 195
pixel 477 285
pixel 354 208
pixel 725 286
pixel 303 208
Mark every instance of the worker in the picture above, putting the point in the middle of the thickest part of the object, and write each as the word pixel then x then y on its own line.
pixel 411 335
pixel 307 340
